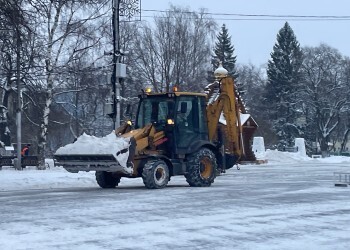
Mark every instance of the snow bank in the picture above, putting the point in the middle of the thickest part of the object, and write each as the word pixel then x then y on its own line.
pixel 91 145
pixel 53 177
pixel 275 156
pixel 285 157
pixel 334 159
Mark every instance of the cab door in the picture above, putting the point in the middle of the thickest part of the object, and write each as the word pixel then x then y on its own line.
pixel 190 122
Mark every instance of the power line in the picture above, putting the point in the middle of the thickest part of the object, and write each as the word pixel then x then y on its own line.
pixel 271 16
pixel 259 19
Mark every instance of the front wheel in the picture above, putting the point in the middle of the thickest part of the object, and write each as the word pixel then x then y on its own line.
pixel 201 168
pixel 155 174
pixel 107 179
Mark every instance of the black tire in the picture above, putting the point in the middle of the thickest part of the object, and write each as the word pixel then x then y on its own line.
pixel 155 174
pixel 107 179
pixel 201 168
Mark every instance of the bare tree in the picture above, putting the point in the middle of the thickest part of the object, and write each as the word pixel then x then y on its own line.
pixel 63 28
pixel 176 50
pixel 250 84
pixel 131 86
pixel 83 98
pixel 14 38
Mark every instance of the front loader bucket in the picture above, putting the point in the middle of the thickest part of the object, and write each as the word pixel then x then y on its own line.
pixel 90 153
pixel 75 163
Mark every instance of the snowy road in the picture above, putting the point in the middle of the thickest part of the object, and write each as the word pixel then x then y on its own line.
pixel 294 206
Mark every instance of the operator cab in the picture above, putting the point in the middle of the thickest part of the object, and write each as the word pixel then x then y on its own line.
pixel 181 115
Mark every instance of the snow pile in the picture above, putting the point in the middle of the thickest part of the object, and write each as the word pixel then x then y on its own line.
pixel 334 159
pixel 300 144
pixel 54 177
pixel 285 157
pixel 275 156
pixel 259 148
pixel 91 145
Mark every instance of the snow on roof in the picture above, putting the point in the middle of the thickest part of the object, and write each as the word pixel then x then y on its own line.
pixel 214 96
pixel 244 118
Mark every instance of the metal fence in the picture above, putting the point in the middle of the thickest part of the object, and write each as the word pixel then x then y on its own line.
pixel 341 179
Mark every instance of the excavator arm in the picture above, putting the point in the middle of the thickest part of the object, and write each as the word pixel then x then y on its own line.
pixel 224 103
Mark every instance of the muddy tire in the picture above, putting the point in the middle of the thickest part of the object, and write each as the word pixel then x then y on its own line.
pixel 106 179
pixel 201 168
pixel 155 174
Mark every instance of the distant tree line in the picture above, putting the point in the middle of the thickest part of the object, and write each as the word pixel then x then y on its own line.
pixel 307 93
pixel 58 50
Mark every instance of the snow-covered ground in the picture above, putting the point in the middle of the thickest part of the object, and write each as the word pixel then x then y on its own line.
pixel 289 203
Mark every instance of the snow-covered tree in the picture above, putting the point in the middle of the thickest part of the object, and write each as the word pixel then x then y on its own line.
pixel 326 93
pixel 345 135
pixel 224 53
pixel 282 87
pixel 345 118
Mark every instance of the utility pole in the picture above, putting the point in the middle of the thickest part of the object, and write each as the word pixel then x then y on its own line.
pixel 127 10
pixel 19 100
pixel 116 62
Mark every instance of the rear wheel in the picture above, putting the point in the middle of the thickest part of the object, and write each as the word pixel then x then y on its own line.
pixel 107 179
pixel 201 168
pixel 155 174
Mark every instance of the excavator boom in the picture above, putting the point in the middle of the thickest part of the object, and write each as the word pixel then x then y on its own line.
pixel 223 106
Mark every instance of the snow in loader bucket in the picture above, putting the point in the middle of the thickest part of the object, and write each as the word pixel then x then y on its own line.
pixel 90 153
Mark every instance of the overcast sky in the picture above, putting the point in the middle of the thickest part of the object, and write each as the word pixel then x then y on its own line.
pixel 254 39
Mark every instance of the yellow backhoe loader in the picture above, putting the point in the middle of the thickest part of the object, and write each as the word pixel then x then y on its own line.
pixel 175 133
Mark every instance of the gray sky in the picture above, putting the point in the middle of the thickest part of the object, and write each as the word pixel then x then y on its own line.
pixel 253 40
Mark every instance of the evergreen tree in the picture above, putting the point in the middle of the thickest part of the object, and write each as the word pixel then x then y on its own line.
pixel 223 52
pixel 281 91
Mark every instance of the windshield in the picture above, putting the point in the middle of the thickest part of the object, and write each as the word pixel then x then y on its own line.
pixel 154 110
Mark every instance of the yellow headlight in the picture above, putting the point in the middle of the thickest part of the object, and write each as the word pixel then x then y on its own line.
pixel 171 122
